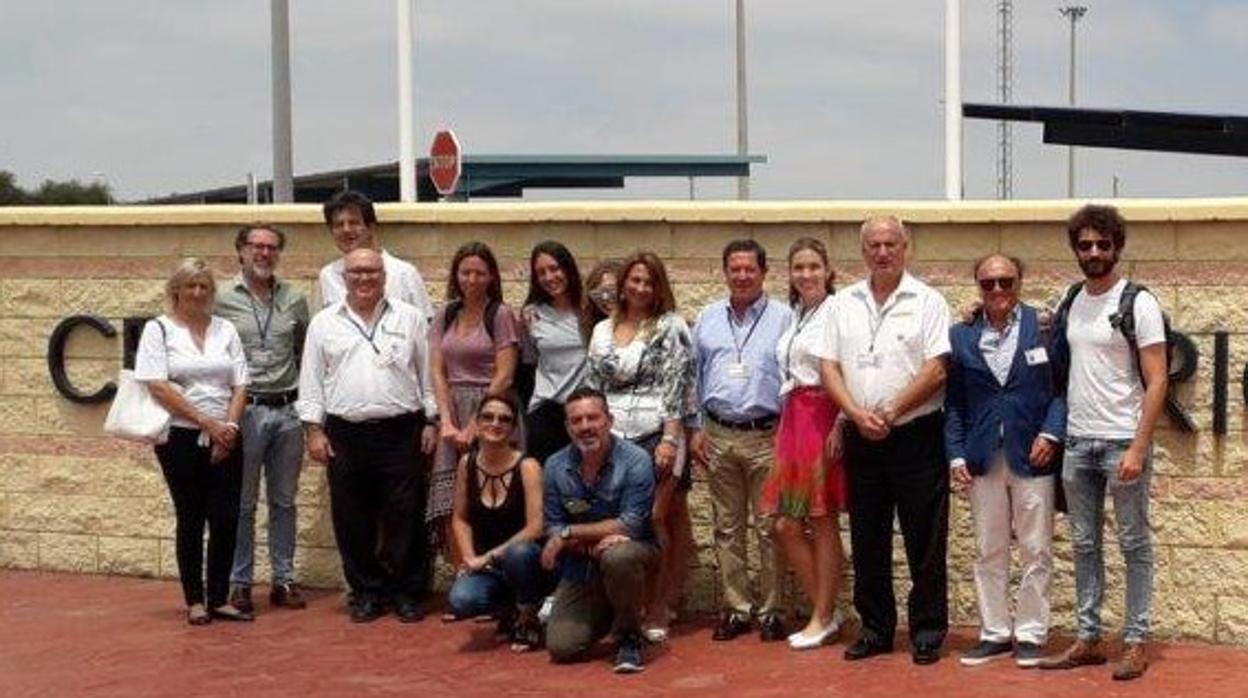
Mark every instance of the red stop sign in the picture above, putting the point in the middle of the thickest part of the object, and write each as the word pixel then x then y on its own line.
pixel 444 162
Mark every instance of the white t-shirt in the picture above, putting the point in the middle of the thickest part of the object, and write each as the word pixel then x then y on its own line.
pixel 881 348
pixel 1105 395
pixel 403 283
pixel 207 377
pixel 795 352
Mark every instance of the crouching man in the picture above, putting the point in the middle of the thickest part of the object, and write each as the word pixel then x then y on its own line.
pixel 598 494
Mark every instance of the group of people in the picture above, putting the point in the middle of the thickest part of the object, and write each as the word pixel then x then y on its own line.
pixel 565 512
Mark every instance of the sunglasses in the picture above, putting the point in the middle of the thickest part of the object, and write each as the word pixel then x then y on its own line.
pixel 602 295
pixel 1102 245
pixel 495 418
pixel 1005 283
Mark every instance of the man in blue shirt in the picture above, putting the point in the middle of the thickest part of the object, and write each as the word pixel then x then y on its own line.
pixel 598 493
pixel 739 399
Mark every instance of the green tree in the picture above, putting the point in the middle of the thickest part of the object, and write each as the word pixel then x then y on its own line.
pixel 53 193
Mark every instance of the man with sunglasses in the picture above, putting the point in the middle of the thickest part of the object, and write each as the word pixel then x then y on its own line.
pixel 1115 395
pixel 1003 424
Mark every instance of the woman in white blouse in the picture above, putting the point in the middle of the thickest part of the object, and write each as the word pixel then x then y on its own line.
pixel 193 364
pixel 806 488
pixel 641 358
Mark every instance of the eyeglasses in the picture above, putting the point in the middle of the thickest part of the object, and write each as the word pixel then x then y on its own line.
pixel 263 247
pixel 1005 283
pixel 1102 245
pixel 495 418
pixel 368 271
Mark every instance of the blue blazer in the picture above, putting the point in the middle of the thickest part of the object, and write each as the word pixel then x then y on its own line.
pixel 977 407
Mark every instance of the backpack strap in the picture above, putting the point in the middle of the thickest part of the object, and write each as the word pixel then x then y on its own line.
pixel 488 318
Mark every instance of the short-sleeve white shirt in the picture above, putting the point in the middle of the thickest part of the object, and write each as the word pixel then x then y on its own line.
pixel 207 377
pixel 403 283
pixel 796 350
pixel 881 348
pixel 359 371
pixel 1105 395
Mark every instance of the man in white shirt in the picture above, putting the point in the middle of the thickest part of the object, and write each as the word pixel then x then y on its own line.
pixel 884 362
pixel 1114 397
pixel 352 220
pixel 366 400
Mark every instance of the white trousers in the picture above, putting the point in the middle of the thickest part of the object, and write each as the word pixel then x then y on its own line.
pixel 1003 503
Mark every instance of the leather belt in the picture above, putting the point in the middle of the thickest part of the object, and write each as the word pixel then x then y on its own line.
pixel 759 424
pixel 273 399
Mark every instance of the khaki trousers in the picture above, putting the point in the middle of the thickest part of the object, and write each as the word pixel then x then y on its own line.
pixel 611 602
pixel 739 463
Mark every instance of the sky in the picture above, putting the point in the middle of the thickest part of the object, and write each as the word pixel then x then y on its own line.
pixel 845 99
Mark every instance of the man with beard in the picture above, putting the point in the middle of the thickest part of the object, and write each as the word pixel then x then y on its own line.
pixel 1115 395
pixel 353 222
pixel 599 491
pixel 366 401
pixel 271 317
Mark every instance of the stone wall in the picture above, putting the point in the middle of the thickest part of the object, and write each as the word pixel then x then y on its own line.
pixel 74 500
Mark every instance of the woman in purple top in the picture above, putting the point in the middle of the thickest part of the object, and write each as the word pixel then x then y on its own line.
pixel 473 343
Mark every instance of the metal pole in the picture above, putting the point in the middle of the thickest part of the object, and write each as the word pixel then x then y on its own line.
pixel 283 160
pixel 743 129
pixel 407 138
pixel 953 100
pixel 1074 13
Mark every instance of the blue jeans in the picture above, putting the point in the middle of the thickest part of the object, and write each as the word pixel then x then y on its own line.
pixel 273 441
pixel 516 578
pixel 1089 468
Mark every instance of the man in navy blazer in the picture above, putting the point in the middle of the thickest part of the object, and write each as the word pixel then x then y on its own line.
pixel 1004 421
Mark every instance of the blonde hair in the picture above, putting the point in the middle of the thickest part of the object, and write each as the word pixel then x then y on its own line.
pixel 188 270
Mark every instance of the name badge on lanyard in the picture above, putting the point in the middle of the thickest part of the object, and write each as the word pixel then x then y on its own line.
pixel 868 359
pixel 739 371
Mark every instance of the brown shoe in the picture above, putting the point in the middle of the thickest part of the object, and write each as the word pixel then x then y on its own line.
pixel 240 598
pixel 1081 653
pixel 1134 662
pixel 287 595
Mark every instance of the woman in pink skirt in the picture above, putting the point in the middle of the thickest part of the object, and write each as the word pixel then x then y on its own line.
pixel 806 488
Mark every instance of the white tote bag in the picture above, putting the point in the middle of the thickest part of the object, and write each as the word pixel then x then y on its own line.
pixel 135 415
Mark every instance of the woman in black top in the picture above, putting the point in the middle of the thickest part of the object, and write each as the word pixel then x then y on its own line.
pixel 497 522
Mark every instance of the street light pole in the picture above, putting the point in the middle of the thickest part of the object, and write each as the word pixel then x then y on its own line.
pixel 407 135
pixel 953 100
pixel 283 159
pixel 743 129
pixel 1074 13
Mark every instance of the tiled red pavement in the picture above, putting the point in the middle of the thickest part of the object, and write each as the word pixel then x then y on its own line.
pixel 67 635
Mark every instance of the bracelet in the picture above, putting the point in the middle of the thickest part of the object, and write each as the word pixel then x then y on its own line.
pixel 669 439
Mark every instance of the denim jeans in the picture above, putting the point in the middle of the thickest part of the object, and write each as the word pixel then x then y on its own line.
pixel 1089 468
pixel 273 442
pixel 516 578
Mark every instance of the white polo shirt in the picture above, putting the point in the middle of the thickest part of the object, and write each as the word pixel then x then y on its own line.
pixel 881 348
pixel 403 283
pixel 207 376
pixel 360 371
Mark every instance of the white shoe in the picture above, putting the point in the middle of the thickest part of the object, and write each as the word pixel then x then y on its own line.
pixel 543 613
pixel 802 641
pixel 655 636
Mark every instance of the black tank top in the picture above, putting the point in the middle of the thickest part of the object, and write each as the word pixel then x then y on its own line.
pixel 493 526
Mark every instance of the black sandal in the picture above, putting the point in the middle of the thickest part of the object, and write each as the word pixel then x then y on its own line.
pixel 526 634
pixel 228 612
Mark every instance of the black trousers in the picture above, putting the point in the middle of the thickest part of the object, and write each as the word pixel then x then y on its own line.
pixel 377 502
pixel 202 493
pixel 546 430
pixel 906 473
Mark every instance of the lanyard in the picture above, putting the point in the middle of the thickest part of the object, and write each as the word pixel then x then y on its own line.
pixel 802 321
pixel 263 327
pixel 876 323
pixel 732 327
pixel 368 335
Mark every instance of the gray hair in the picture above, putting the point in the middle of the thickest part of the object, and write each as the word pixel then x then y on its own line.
pixel 188 270
pixel 890 222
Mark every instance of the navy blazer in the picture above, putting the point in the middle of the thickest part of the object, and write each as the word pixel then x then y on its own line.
pixel 977 406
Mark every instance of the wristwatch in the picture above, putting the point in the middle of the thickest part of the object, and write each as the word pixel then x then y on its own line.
pixel 565 532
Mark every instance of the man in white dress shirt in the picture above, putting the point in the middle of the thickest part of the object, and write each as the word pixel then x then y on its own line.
pixel 884 361
pixel 353 222
pixel 366 400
